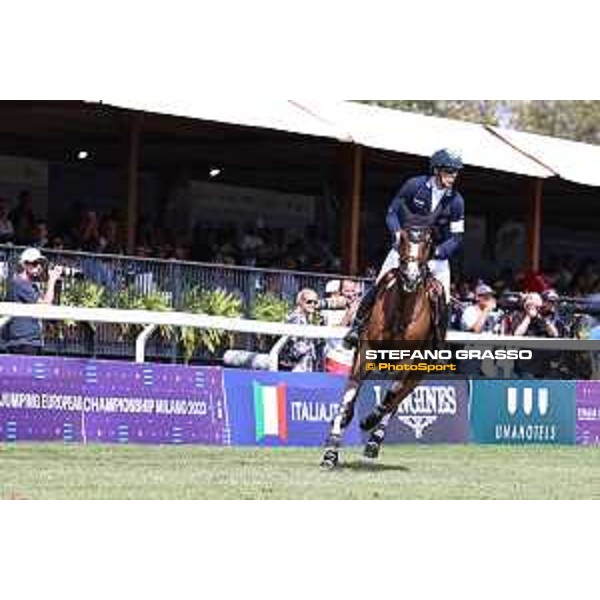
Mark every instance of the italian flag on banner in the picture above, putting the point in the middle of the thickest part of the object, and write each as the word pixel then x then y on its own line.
pixel 270 411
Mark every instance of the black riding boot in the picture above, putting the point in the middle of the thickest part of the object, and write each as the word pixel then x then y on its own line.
pixel 361 317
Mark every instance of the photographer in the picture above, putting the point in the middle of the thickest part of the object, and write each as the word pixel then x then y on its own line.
pixel 549 313
pixel 538 318
pixel 23 335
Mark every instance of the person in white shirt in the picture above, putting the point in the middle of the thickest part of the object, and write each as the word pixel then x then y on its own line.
pixel 482 316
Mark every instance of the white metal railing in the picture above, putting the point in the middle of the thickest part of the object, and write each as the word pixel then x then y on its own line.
pixel 150 320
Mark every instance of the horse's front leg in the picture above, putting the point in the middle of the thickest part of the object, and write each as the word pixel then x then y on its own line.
pixel 339 424
pixel 373 445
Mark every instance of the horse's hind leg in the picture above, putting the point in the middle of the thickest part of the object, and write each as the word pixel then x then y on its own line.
pixel 339 423
pixel 392 399
pixel 373 445
pixel 374 418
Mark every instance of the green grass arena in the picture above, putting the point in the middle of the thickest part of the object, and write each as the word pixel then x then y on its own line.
pixel 69 471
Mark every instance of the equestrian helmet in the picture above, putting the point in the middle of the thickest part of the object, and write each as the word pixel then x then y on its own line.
pixel 446 159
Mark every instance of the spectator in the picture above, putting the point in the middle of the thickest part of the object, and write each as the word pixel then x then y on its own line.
pixel 108 241
pixel 549 312
pixel 251 242
pixel 40 237
pixel 23 335
pixel 7 231
pixel 181 252
pixel 88 235
pixel 22 218
pixel 350 290
pixel 535 322
pixel 483 316
pixel 338 359
pixel 532 321
pixel 57 243
pixel 301 354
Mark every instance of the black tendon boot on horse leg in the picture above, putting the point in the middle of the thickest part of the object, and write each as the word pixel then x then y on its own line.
pixel 373 418
pixel 361 317
pixel 376 416
pixel 381 414
pixel 373 445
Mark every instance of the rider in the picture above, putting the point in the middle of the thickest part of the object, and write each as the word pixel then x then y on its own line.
pixel 427 195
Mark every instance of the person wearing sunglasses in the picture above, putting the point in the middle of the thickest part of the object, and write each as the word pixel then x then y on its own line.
pixel 303 354
pixel 434 197
pixel 23 335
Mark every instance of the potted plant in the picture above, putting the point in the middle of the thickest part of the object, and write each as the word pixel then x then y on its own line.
pixel 217 302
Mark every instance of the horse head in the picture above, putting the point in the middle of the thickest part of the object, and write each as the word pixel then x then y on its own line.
pixel 414 249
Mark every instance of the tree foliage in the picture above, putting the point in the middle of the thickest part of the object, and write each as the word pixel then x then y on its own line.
pixel 572 119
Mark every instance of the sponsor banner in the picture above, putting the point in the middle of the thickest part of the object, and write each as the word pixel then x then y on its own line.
pixel 588 413
pixel 435 412
pixel 44 398
pixel 523 412
pixel 283 409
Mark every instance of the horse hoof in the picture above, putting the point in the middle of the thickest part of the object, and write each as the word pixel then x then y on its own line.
pixel 370 422
pixel 371 451
pixel 330 460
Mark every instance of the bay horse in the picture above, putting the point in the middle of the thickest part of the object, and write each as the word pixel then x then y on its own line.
pixel 410 306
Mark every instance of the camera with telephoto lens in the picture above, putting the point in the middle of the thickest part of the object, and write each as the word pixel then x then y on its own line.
pixel 67 272
pixel 572 307
pixel 509 301
pixel 332 304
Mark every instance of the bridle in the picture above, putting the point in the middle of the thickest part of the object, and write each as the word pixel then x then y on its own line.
pixel 412 271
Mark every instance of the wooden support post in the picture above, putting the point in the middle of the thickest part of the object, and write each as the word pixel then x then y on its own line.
pixel 352 168
pixel 132 181
pixel 534 225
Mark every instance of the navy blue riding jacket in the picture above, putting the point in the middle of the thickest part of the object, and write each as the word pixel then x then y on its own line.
pixel 414 200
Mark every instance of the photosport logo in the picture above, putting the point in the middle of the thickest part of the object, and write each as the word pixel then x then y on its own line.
pixel 424 406
pixel 523 412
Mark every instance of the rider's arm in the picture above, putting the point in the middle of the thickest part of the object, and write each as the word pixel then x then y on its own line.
pixel 457 228
pixel 394 213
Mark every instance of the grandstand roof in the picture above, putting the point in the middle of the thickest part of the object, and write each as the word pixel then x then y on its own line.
pixel 280 115
pixel 569 160
pixel 397 131
pixel 411 133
